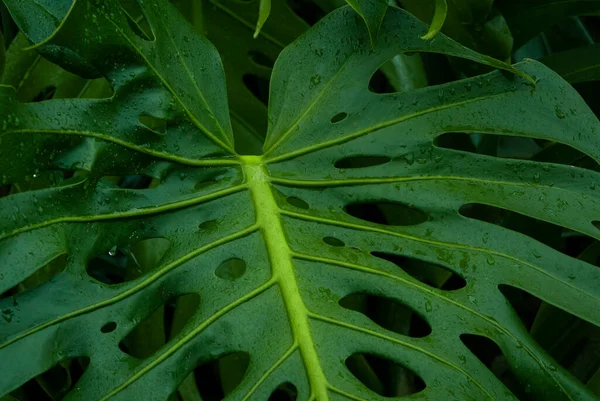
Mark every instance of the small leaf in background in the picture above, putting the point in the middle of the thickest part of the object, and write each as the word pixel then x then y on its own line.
pixel 372 12
pixel 441 11
pixel 264 9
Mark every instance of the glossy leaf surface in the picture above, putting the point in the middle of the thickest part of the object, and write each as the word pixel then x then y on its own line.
pixel 278 248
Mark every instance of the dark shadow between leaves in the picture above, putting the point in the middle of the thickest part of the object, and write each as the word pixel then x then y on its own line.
pixel 41 276
pixel 490 354
pixel 55 383
pixel 306 10
pixel 260 59
pixel 128 262
pixel 284 392
pixel 516 148
pixel 387 213
pixel 431 274
pixel 384 376
pixel 361 161
pixel 213 384
pixel 388 313
pixel 162 325
pixel 569 242
pixel 258 86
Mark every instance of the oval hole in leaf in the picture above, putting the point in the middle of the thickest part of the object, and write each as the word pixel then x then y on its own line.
pixel 516 148
pixel 284 392
pixel 42 180
pixel 361 161
pixel 569 242
pixel 219 377
pixel 383 375
pixel 428 273
pixel 41 276
pixel 490 354
pixel 119 265
pixel 154 124
pixel 258 86
pixel 108 327
pixel 307 10
pixel 231 269
pixel 387 313
pixel 5 190
pixel 339 117
pixel 388 213
pixel 53 384
pixel 334 241
pixel 136 20
pixel 126 181
pixel 45 94
pixel 204 184
pixel 260 59
pixel 161 326
pixel 208 225
pixel 379 83
pixel 297 202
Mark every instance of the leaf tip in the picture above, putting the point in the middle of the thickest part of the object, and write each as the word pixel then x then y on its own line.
pixel 439 17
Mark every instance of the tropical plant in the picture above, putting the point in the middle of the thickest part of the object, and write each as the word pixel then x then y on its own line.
pixel 422 221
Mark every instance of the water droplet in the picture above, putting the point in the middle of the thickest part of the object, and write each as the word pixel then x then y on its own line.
pixel 490 260
pixel 113 251
pixel 315 80
pixel 559 113
pixel 7 314
pixel 428 306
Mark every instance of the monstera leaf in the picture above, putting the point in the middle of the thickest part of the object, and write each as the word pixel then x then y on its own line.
pixel 270 262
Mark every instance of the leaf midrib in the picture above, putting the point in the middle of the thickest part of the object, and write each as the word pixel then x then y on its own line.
pixel 280 256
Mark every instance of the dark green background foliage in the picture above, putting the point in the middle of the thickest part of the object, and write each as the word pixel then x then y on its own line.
pixel 299 200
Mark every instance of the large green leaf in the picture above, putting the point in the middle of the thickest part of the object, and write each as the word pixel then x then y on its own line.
pixel 272 244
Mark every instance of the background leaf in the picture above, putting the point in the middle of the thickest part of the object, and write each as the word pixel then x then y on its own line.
pixel 372 11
